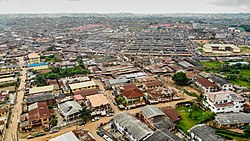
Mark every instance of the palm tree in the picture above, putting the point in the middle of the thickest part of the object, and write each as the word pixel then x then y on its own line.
pixel 85 113
pixel 40 80
pixel 53 120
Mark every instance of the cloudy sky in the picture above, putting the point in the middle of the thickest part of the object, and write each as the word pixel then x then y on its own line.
pixel 133 6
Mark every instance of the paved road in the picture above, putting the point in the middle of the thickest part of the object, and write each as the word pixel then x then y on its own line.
pixel 11 132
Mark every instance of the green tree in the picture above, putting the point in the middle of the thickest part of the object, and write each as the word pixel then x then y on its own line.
pixel 40 80
pixel 85 113
pixel 53 120
pixel 180 78
pixel 247 131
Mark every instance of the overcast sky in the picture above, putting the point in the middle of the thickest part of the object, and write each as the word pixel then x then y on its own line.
pixel 133 6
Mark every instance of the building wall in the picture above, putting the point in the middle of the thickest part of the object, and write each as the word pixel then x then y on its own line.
pixel 238 107
pixel 84 88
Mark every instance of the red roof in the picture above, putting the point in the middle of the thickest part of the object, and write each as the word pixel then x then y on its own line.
pixel 87 92
pixel 129 86
pixel 154 83
pixel 41 111
pixel 132 93
pixel 172 114
pixel 204 82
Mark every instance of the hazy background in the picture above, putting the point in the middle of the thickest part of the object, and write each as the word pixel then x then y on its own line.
pixel 133 6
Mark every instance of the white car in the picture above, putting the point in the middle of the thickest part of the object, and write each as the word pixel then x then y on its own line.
pixel 107 138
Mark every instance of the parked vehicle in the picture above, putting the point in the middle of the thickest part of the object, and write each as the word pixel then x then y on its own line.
pixel 30 137
pixel 39 134
pixel 100 133
pixel 82 123
pixel 53 131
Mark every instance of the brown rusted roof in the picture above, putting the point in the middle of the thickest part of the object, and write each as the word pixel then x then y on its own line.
pixel 40 111
pixel 132 93
pixel 87 92
pixel 204 82
pixel 172 114
pixel 154 83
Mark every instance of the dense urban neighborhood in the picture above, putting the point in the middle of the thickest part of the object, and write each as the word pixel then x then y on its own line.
pixel 124 77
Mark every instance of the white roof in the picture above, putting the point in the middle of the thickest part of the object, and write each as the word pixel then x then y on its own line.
pixel 82 84
pixel 69 107
pixel 70 136
pixel 35 90
pixel 7 79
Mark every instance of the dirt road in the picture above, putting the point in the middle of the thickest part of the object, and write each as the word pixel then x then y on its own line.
pixel 11 132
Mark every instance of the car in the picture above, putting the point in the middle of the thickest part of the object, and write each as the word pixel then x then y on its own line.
pixel 107 138
pixel 46 129
pixel 39 134
pixel 115 103
pixel 30 137
pixel 82 123
pixel 97 118
pixel 99 125
pixel 100 133
pixel 53 131
pixel 242 127
pixel 93 119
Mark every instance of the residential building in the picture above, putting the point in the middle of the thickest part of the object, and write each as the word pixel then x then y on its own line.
pixel 160 94
pixel 69 110
pixel 69 136
pixel 209 48
pixel 232 120
pixel 54 89
pixel 155 118
pixel 34 58
pixel 224 101
pixel 172 114
pixel 163 135
pixel 221 82
pixel 98 102
pixel 153 84
pixel 205 85
pixel 132 128
pixel 203 132
pixel 83 86
pixel 48 98
pixel 39 114
pixel 132 94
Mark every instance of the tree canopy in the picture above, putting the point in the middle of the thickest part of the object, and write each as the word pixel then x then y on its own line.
pixel 180 78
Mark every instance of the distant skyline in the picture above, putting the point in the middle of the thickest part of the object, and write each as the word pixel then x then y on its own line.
pixel 128 6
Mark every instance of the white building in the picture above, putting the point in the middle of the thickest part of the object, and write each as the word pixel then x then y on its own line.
pixel 224 102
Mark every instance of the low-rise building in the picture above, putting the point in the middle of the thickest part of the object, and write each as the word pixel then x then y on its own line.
pixel 221 82
pixel 83 86
pixel 203 132
pixel 155 118
pixel 210 48
pixel 99 102
pixel 132 128
pixel 224 101
pixel 39 114
pixel 205 85
pixel 34 58
pixel 69 110
pixel 163 135
pixel 232 120
pixel 54 89
pixel 132 94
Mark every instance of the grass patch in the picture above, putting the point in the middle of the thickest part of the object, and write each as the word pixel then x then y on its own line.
pixel 245 49
pixel 212 64
pixel 191 116
pixel 190 93
pixel 10 88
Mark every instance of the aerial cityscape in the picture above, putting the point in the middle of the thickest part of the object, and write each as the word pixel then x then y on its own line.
pixel 134 74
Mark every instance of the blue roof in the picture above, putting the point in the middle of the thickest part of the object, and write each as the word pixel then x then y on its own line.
pixel 37 65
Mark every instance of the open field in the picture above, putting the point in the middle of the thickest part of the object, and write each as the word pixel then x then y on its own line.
pixel 212 64
pixel 191 116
